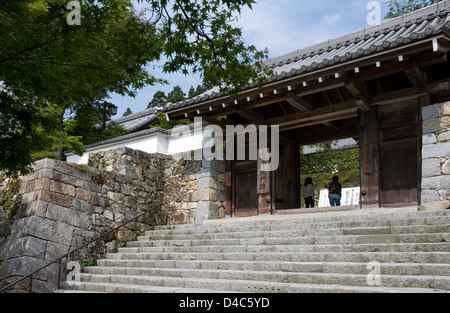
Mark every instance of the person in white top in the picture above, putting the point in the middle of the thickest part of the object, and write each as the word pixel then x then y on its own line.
pixel 308 193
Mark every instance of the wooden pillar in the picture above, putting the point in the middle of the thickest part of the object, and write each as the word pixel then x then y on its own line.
pixel 369 158
pixel 228 188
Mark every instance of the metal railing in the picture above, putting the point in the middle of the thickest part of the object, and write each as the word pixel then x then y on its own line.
pixel 67 255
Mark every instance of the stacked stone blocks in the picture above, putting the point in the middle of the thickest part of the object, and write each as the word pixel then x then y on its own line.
pixel 436 156
pixel 63 206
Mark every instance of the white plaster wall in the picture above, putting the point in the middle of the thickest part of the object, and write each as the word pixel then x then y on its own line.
pixel 152 143
pixel 181 140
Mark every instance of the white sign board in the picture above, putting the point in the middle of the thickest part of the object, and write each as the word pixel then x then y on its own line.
pixel 350 196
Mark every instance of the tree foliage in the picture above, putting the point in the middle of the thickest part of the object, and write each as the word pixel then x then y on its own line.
pixel 45 62
pixel 87 124
pixel 400 7
pixel 127 112
pixel 159 100
pixel 329 161
pixel 203 40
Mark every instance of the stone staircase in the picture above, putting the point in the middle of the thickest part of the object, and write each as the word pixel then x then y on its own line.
pixel 301 253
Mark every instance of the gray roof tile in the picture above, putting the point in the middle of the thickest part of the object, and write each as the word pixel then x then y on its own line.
pixel 137 120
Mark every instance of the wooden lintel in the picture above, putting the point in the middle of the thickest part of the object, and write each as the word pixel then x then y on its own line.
pixel 396 96
pixel 307 137
pixel 299 103
pixel 317 114
pixel 334 116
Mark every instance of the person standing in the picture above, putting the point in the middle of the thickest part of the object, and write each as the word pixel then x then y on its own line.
pixel 335 192
pixel 308 193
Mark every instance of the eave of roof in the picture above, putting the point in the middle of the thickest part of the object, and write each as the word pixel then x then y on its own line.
pixel 129 137
pixel 137 120
pixel 401 31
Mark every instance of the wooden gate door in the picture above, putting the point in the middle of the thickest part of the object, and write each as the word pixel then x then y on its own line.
pixel 398 138
pixel 245 197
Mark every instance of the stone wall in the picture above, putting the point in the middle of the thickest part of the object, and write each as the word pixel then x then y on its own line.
pixel 436 156
pixel 62 206
pixel 189 190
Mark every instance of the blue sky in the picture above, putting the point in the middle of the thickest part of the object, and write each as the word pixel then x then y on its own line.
pixel 283 26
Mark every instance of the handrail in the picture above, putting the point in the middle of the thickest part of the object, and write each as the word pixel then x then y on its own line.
pixel 73 251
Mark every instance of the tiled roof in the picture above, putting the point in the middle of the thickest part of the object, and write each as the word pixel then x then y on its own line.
pixel 137 120
pixel 146 132
pixel 393 33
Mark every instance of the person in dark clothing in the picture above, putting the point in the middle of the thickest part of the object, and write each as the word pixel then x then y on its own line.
pixel 309 193
pixel 335 192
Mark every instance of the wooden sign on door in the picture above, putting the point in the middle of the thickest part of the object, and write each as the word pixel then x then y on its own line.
pixel 263 176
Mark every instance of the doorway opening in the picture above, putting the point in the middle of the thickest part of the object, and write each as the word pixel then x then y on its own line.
pixel 321 162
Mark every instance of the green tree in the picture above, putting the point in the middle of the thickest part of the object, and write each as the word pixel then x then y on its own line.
pixel 159 100
pixel 400 7
pixel 87 123
pixel 127 112
pixel 176 95
pixel 193 92
pixel 44 60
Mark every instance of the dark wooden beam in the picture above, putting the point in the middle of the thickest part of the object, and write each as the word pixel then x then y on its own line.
pixel 309 137
pixel 359 91
pixel 322 119
pixel 319 113
pixel 396 96
pixel 299 103
pixel 416 76
pixel 212 121
pixel 304 106
pixel 251 115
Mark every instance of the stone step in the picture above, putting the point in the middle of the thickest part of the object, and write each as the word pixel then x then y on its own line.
pixel 385 230
pixel 382 257
pixel 386 247
pixel 138 267
pixel 90 287
pixel 303 240
pixel 348 216
pixel 250 287
pixel 228 280
pixel 314 252
pixel 422 221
